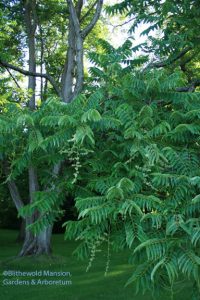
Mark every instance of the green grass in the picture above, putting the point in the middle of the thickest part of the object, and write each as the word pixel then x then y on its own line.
pixel 92 285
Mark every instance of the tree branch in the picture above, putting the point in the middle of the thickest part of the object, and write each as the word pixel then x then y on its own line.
pixel 88 11
pixel 74 16
pixel 96 16
pixel 13 189
pixel 14 79
pixel 120 25
pixel 79 8
pixel 191 87
pixel 168 61
pixel 28 73
pixel 15 195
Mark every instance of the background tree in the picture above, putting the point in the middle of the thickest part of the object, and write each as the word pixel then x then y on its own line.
pixel 70 85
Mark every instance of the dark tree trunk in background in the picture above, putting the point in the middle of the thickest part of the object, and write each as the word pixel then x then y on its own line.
pixel 21 235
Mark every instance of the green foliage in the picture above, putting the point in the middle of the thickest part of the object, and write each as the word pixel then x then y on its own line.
pixel 129 148
pixel 141 182
pixel 54 133
pixel 170 17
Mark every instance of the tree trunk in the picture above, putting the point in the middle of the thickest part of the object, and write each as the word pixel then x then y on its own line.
pixel 31 25
pixel 68 73
pixel 41 62
pixel 39 244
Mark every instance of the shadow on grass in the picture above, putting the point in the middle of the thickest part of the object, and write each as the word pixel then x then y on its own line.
pixel 92 285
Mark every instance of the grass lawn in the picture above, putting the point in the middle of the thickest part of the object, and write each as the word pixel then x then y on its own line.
pixel 92 285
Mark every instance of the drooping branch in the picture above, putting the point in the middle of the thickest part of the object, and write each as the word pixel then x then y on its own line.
pixel 94 20
pixel 28 73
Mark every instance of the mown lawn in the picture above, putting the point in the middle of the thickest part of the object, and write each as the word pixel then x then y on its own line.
pixel 92 285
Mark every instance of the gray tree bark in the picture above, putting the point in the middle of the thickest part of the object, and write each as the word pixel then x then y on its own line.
pixel 73 74
pixel 40 243
pixel 31 25
pixel 68 73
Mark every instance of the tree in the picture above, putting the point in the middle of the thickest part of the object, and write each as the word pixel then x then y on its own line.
pixel 142 191
pixel 70 85
pixel 128 148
